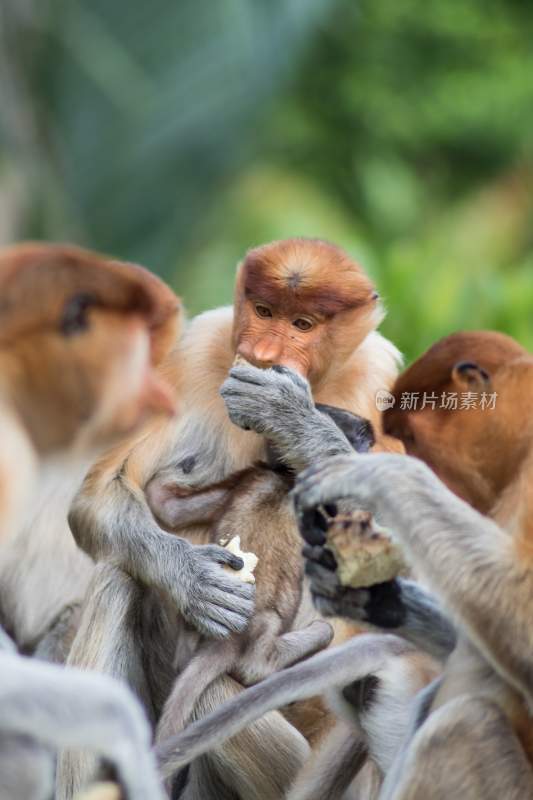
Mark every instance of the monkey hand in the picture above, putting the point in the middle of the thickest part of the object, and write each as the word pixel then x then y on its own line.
pixel 265 400
pixel 380 605
pixel 209 598
pixel 381 483
pixel 278 404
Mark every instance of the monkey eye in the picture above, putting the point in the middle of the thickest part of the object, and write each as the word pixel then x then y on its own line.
pixel 262 311
pixel 75 318
pixel 303 324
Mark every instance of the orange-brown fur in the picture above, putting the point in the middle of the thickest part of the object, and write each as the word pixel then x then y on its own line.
pixel 77 389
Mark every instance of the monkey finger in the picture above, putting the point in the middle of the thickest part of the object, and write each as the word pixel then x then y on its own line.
pixel 323 580
pixel 327 606
pixel 233 622
pixel 291 375
pixel 382 604
pixel 237 389
pixel 210 628
pixel 320 555
pixel 313 526
pixel 328 485
pixel 220 555
pixel 248 374
pixel 228 584
pixel 238 598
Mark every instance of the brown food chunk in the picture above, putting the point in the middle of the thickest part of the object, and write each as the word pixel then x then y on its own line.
pixel 364 551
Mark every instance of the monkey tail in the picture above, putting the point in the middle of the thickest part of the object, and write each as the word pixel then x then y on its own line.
pixel 337 666
pixel 259 763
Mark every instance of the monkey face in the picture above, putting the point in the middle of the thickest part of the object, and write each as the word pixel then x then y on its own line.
pixel 302 304
pixel 83 388
pixel 269 337
pixel 474 446
pixel 80 336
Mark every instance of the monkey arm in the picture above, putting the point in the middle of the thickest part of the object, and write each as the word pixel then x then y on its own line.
pixel 470 561
pixel 178 508
pixel 113 521
pixel 61 707
pixel 278 404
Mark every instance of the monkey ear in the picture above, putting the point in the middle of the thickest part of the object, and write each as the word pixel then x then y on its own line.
pixel 469 375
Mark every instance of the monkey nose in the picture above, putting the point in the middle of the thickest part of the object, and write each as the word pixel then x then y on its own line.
pixel 266 353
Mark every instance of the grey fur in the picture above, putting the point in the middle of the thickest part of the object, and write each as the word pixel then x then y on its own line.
pixel 466 749
pixel 337 666
pixel 190 575
pixel 120 526
pixel 59 708
pixel 116 620
pixel 26 769
pixel 278 404
pixel 437 529
pixel 329 775
pixel 466 746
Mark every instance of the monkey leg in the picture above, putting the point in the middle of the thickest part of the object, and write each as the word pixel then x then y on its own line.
pixel 271 653
pixel 109 641
pixel 467 749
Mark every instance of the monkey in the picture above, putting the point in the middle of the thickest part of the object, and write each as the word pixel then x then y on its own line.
pixel 429 434
pixel 64 286
pixel 79 335
pixel 475 733
pixel 298 303
pixel 255 502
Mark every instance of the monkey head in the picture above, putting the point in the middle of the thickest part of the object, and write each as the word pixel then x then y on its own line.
pixel 80 336
pixel 474 444
pixel 303 304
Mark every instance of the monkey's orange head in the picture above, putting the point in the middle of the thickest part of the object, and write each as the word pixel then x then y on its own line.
pixel 80 337
pixel 470 423
pixel 303 304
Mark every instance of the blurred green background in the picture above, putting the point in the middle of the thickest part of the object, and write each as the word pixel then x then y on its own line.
pixel 178 134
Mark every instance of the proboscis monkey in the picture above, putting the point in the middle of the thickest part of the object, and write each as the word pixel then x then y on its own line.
pixel 79 337
pixel 484 454
pixel 472 735
pixel 430 429
pixel 59 308
pixel 302 304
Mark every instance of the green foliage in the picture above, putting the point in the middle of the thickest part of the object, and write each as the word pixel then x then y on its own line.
pixel 407 137
pixel 180 134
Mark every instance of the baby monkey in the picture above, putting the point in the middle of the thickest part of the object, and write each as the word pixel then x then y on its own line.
pixel 273 639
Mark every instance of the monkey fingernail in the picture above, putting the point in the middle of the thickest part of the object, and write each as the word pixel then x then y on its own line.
pixel 248 561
